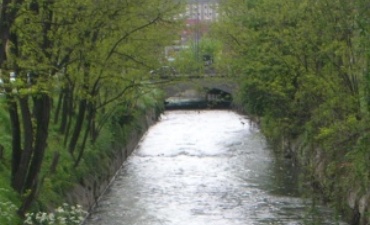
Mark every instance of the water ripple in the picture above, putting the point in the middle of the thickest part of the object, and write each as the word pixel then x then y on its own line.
pixel 204 168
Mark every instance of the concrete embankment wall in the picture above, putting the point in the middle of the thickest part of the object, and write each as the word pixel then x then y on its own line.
pixel 90 188
pixel 352 200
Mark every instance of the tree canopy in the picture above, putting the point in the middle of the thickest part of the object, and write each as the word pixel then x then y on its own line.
pixel 304 68
pixel 74 64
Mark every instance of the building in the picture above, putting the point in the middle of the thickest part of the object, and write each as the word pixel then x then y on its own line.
pixel 202 10
pixel 198 15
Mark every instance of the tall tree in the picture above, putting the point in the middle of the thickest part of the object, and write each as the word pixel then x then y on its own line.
pixel 304 69
pixel 91 53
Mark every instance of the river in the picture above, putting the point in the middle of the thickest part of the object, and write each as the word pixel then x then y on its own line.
pixel 205 168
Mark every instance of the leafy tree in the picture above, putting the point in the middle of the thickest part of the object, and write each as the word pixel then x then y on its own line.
pixel 304 71
pixel 199 57
pixel 93 55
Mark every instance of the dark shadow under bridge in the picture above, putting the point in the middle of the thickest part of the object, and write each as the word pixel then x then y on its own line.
pixel 198 92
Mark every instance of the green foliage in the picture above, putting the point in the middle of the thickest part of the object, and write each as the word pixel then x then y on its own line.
pixel 5 136
pixel 359 161
pixel 65 214
pixel 92 60
pixel 304 68
pixel 7 213
pixel 150 98
pixel 191 61
pixel 8 203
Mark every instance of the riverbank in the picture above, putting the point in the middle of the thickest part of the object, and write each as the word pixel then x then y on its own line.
pixel 63 182
pixel 90 188
pixel 340 190
pixel 337 187
pixel 332 180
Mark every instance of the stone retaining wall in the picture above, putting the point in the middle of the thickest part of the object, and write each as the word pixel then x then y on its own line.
pixel 355 202
pixel 91 188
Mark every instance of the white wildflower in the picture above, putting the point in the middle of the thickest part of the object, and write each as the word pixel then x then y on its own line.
pixel 51 217
pixel 60 210
pixel 28 221
pixel 62 220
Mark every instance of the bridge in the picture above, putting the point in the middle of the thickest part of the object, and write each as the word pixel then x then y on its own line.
pixel 198 91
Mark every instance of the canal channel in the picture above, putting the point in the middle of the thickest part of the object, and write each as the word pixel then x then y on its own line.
pixel 207 167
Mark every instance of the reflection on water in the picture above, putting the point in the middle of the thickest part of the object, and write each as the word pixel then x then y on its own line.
pixel 204 167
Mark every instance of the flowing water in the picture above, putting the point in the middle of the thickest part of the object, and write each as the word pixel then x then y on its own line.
pixel 205 168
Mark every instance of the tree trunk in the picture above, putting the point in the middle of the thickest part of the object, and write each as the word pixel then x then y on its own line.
pixel 26 204
pixel 42 106
pixel 59 105
pixel 78 126
pixel 82 147
pixel 83 104
pixel 65 110
pixel 89 127
pixel 67 114
pixel 21 173
pixel 16 138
